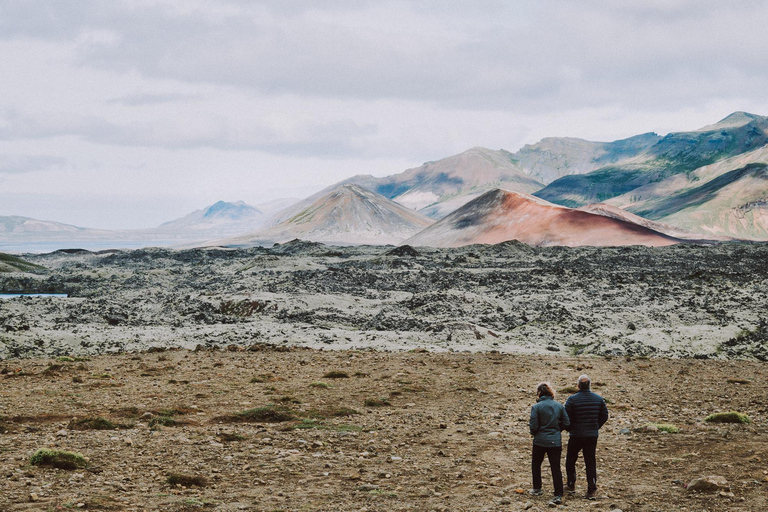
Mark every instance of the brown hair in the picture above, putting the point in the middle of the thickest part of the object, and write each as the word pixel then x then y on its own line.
pixel 545 389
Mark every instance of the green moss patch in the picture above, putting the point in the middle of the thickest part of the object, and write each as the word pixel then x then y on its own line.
pixel 58 459
pixel 728 417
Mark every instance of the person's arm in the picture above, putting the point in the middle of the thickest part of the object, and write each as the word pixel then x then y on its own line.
pixel 603 417
pixel 565 421
pixel 569 413
pixel 533 423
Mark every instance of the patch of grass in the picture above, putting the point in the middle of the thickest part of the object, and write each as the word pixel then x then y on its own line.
pixel 330 412
pixel 163 421
pixel 186 480
pixel 288 400
pixel 52 369
pixel 738 381
pixel 127 412
pixel 101 376
pixel 226 437
pixel 569 390
pixel 58 459
pixel 306 424
pixel 322 385
pixel 336 374
pixel 174 411
pixel 65 359
pixel 377 402
pixel 728 417
pixel 265 377
pixel 664 427
pixel 97 423
pixel 360 374
pixel 267 414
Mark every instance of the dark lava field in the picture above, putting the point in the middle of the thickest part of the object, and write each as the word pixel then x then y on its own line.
pixel 705 302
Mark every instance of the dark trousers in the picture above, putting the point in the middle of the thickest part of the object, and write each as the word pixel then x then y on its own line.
pixel 553 454
pixel 587 445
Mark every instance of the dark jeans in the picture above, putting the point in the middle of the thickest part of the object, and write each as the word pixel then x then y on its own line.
pixel 587 445
pixel 553 454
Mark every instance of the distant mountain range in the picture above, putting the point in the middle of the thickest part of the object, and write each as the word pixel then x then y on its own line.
pixel 20 234
pixel 710 183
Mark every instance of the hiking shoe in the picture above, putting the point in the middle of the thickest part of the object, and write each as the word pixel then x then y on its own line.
pixel 557 500
pixel 591 495
pixel 535 492
pixel 570 488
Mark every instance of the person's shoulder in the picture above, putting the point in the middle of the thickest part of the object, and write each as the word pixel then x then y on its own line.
pixel 597 398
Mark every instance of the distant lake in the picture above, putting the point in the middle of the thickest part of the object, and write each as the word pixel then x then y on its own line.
pixel 12 295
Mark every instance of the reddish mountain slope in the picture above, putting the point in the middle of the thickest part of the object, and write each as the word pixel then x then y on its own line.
pixel 500 215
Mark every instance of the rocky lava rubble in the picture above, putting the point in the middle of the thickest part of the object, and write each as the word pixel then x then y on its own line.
pixel 681 301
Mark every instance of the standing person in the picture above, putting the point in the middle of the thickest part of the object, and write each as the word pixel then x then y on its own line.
pixel 587 412
pixel 548 418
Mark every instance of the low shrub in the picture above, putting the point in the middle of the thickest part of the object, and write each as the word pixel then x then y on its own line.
pixel 663 427
pixel 186 480
pixel 58 459
pixel 335 374
pixel 97 423
pixel 322 385
pixel 265 377
pixel 377 402
pixel 163 421
pixel 267 414
pixel 727 417
pixel 569 390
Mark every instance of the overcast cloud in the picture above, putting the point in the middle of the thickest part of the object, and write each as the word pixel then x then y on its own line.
pixel 168 106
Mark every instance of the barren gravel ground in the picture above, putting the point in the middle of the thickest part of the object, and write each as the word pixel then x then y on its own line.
pixel 449 431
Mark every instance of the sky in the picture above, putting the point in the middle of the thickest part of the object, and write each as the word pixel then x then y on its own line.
pixel 128 114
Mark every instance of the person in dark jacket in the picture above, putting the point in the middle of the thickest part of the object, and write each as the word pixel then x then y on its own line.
pixel 587 412
pixel 548 418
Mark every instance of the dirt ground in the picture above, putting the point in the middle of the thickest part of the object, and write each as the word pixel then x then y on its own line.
pixel 388 431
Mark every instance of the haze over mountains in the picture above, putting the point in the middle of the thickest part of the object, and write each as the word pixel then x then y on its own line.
pixel 18 234
pixel 708 183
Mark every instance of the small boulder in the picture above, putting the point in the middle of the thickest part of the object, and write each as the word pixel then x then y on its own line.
pixel 712 483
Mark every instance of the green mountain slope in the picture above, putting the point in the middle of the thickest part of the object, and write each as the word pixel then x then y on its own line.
pixel 676 153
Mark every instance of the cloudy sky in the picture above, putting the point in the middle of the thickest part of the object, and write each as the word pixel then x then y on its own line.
pixel 127 114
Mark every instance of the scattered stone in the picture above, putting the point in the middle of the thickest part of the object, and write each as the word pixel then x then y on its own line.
pixel 712 483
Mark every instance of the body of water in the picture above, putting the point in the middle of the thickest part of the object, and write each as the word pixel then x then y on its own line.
pixel 12 295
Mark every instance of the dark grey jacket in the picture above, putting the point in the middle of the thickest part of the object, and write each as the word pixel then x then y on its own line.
pixel 548 418
pixel 587 412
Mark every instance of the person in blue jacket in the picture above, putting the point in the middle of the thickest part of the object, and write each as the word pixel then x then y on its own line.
pixel 548 418
pixel 587 412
